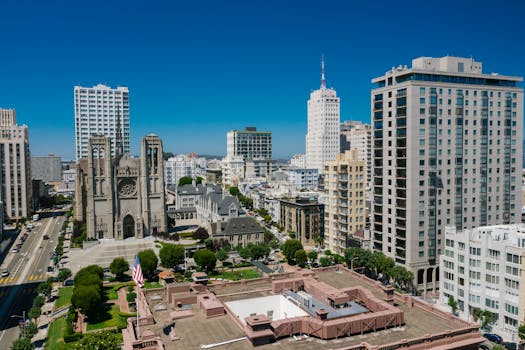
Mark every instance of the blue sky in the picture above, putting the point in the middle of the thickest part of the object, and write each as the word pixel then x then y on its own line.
pixel 196 69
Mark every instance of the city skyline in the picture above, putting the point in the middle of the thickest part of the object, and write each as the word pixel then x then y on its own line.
pixel 196 71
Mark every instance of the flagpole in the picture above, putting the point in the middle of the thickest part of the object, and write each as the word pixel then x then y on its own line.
pixel 137 305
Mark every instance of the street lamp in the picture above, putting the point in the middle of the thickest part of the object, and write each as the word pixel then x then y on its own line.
pixel 352 262
pixel 23 317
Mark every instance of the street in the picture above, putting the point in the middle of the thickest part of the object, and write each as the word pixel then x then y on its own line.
pixel 27 269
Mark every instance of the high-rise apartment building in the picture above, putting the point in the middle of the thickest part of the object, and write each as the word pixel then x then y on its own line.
pixel 447 146
pixel 15 160
pixel 101 111
pixel 482 269
pixel 345 182
pixel 355 134
pixel 322 138
pixel 249 143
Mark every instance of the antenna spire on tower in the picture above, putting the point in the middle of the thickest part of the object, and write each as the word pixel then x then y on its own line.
pixel 323 81
pixel 119 144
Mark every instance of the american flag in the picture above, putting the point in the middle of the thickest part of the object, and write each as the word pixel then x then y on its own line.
pixel 137 273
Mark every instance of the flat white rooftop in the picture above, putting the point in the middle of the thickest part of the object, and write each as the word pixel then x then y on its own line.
pixel 275 307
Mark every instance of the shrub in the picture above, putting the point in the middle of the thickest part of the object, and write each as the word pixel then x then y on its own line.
pixel 70 338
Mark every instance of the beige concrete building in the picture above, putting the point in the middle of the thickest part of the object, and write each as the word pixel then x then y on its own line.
pixel 120 197
pixel 345 182
pixel 355 134
pixel 15 158
pixel 447 150
pixel 305 218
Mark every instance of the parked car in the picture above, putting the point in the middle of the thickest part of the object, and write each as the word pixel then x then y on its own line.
pixel 5 273
pixel 493 338
pixel 510 345
pixel 69 282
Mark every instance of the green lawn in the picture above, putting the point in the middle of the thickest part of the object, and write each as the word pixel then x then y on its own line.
pixel 64 297
pixel 110 292
pixel 149 285
pixel 238 275
pixel 110 316
pixel 55 335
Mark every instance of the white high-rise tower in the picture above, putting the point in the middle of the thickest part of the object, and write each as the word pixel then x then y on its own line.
pixel 322 138
pixel 101 110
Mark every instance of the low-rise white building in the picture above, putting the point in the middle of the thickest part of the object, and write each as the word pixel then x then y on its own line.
pixel 183 165
pixel 298 161
pixel 482 269
pixel 304 179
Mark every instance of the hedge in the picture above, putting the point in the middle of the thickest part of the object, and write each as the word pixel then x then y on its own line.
pixel 73 337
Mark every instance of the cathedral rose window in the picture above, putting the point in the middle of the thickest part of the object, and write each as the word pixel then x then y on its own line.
pixel 127 187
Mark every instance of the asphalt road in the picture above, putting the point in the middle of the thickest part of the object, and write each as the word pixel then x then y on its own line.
pixel 27 269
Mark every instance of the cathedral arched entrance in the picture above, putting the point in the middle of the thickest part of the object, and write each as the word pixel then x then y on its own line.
pixel 128 226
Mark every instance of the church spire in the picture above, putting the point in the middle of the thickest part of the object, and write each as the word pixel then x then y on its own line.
pixel 323 81
pixel 119 147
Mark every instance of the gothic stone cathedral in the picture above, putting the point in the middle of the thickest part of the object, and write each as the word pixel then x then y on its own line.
pixel 121 197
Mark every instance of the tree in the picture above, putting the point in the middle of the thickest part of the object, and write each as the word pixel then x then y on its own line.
pixel 148 262
pixel 34 312
pixel 185 180
pixel 319 240
pixel 244 253
pixel 289 248
pixel 30 330
pixel 22 344
pixel 222 255
pixel 45 288
pixel 171 255
pixel 453 304
pixel 201 234
pixel 328 252
pixel 38 301
pixel 87 299
pixel 234 191
pixel 118 267
pixel 312 255
pixel 498 347
pixel 64 274
pixel 521 332
pixel 258 251
pixel 206 259
pixel 95 269
pixel 325 261
pixel 300 257
pixel 86 278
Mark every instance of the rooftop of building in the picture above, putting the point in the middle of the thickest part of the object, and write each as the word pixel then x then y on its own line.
pixel 447 66
pixel 512 234
pixel 423 322
pixel 237 225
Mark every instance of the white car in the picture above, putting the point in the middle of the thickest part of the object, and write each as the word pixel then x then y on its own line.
pixel 5 273
pixel 15 250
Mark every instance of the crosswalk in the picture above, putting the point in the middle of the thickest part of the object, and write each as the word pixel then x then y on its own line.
pixel 8 279
pixel 32 278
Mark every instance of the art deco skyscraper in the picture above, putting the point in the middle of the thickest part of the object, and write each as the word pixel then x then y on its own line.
pixel 447 148
pixel 15 160
pixel 97 112
pixel 322 138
